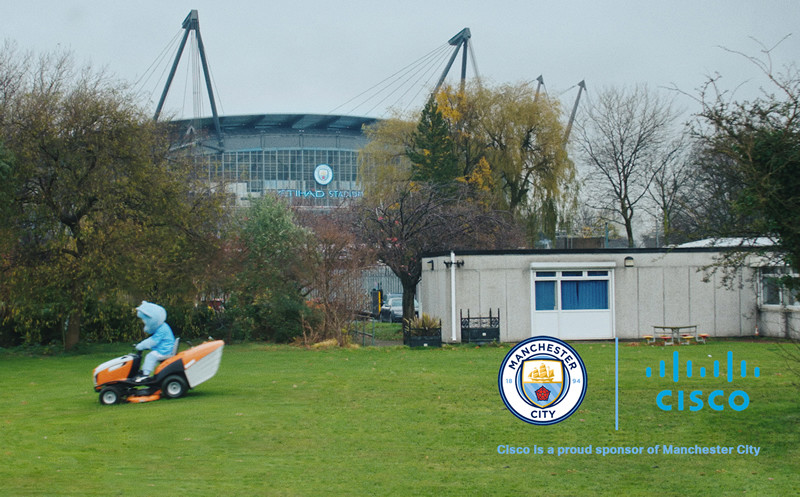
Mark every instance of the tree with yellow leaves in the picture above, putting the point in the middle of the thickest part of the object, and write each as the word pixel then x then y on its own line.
pixel 517 137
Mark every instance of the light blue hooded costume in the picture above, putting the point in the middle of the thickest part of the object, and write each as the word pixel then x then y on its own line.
pixel 161 340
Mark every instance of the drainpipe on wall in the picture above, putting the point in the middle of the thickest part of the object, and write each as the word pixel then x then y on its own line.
pixel 453 294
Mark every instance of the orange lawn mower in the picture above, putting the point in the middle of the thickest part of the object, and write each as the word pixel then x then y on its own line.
pixel 116 379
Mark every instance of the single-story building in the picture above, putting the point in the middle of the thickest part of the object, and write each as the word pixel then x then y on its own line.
pixel 604 293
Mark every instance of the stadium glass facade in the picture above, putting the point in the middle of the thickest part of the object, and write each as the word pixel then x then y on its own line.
pixel 311 160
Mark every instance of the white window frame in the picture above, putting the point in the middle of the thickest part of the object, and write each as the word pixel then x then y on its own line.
pixel 559 268
pixel 786 299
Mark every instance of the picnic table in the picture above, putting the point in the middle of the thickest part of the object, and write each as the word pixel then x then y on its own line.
pixel 682 334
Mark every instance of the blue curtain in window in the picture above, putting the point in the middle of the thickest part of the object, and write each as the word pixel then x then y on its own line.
pixel 545 295
pixel 569 295
pixel 577 295
pixel 594 294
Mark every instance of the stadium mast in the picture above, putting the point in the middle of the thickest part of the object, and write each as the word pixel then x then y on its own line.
pixel 192 22
pixel 581 88
pixel 458 41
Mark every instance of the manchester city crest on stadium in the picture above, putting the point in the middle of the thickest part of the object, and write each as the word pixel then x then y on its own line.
pixel 323 174
pixel 542 380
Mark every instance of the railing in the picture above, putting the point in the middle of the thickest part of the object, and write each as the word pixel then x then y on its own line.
pixel 359 331
pixel 480 329
pixel 413 337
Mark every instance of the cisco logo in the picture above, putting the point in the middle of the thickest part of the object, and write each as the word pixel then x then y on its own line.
pixel 666 400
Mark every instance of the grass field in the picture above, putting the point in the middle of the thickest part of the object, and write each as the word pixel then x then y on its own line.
pixel 279 420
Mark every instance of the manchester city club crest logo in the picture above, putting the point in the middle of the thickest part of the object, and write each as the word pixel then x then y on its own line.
pixel 323 174
pixel 542 380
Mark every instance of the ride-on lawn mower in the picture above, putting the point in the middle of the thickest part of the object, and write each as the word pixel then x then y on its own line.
pixel 115 379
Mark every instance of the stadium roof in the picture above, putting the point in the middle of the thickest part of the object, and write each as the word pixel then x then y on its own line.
pixel 283 122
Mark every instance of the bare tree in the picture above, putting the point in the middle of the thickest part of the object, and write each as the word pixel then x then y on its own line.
pixel 14 67
pixel 673 192
pixel 412 218
pixel 625 138
pixel 336 259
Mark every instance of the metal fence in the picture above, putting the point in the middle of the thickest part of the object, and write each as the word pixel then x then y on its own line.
pixel 381 278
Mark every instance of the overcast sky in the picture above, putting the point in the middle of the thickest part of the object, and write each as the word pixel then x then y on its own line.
pixel 314 56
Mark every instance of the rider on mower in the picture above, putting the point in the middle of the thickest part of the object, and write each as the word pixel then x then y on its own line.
pixel 161 340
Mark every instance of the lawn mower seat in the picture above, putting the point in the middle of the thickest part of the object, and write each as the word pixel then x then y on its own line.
pixel 175 347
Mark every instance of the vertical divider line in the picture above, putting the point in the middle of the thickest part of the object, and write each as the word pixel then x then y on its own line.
pixel 616 383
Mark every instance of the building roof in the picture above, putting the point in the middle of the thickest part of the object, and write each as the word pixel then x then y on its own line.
pixel 761 241
pixel 281 122
pixel 615 250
